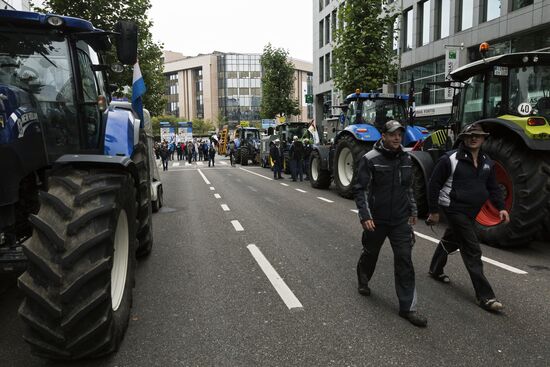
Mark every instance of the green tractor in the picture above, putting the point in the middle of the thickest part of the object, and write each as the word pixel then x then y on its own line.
pixel 510 96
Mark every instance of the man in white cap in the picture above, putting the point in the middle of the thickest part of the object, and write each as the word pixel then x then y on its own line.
pixel 386 208
pixel 462 181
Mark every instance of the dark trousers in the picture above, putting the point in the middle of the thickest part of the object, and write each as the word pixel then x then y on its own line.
pixel 211 160
pixel 460 235
pixel 296 169
pixel 401 239
pixel 277 169
pixel 306 167
pixel 165 164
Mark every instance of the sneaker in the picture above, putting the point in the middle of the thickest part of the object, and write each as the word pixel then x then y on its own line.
pixel 414 318
pixel 443 278
pixel 492 305
pixel 363 290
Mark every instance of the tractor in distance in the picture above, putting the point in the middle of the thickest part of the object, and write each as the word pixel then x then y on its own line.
pixel 284 132
pixel 346 139
pixel 247 143
pixel 75 198
pixel 509 95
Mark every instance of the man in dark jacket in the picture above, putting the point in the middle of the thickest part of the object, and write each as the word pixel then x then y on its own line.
pixel 276 154
pixel 307 154
pixel 385 200
pixel 296 155
pixel 462 181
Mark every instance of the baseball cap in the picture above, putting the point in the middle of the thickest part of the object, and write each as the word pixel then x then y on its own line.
pixel 295 137
pixel 391 126
pixel 473 129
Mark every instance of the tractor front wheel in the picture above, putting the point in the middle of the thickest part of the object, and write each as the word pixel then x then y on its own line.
pixel 318 177
pixel 346 161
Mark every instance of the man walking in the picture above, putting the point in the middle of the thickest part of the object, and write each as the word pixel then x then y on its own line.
pixel 164 154
pixel 384 198
pixel 463 179
pixel 276 155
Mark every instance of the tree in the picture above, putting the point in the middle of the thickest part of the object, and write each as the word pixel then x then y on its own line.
pixel 104 14
pixel 363 56
pixel 277 84
pixel 155 122
pixel 202 127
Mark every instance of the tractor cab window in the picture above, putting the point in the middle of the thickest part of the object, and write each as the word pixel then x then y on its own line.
pixel 380 111
pixel 530 85
pixel 352 113
pixel 35 70
pixel 493 103
pixel 472 109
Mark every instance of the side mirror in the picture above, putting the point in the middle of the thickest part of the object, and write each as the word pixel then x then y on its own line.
pixel 425 95
pixel 126 41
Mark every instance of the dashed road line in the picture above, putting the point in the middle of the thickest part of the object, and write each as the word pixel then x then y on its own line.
pixel 225 208
pixel 483 258
pixel 176 164
pixel 355 210
pixel 238 227
pixel 217 196
pixel 300 190
pixel 284 184
pixel 257 174
pixel 324 199
pixel 212 188
pixel 278 283
pixel 204 177
pixel 252 189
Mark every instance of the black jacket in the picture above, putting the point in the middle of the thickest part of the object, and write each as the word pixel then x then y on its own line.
pixel 458 186
pixel 276 153
pixel 383 191
pixel 297 150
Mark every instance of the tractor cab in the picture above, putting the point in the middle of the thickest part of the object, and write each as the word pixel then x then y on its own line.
pixel 374 108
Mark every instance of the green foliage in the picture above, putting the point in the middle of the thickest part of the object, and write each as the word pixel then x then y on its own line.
pixel 104 14
pixel 277 84
pixel 155 122
pixel 202 127
pixel 363 56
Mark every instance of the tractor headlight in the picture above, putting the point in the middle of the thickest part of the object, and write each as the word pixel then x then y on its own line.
pixel 55 21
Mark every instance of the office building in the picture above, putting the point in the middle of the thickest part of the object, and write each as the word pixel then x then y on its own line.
pixel 15 5
pixel 225 87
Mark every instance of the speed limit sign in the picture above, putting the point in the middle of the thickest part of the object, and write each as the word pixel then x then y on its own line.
pixel 524 109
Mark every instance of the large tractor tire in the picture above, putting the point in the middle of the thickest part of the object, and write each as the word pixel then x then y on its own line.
pixel 238 156
pixel 157 204
pixel 420 191
pixel 244 156
pixel 346 161
pixel 81 265
pixel 145 210
pixel 523 177
pixel 318 178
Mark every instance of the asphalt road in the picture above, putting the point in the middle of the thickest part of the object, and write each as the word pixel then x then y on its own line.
pixel 248 271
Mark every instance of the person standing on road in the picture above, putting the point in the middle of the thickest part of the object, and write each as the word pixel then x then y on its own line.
pixel 276 156
pixel 462 181
pixel 296 159
pixel 211 155
pixel 307 154
pixel 232 153
pixel 164 153
pixel 384 197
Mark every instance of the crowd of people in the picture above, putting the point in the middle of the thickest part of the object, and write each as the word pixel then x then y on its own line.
pixel 299 154
pixel 190 151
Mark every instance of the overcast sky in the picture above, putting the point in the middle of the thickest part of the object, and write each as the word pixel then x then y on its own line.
pixel 243 26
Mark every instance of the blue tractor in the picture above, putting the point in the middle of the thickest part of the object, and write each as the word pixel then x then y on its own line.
pixel 75 206
pixel 354 133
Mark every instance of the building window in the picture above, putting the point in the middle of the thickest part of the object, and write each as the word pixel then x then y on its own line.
pixel 396 35
pixel 327 29
pixel 321 33
pixel 321 70
pixel 442 16
pixel 327 2
pixel 490 9
pixel 320 5
pixel 518 4
pixel 424 23
pixel 466 13
pixel 327 67
pixel 334 23
pixel 408 30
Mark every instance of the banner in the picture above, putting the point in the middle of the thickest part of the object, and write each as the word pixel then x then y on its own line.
pixel 168 134
pixel 452 57
pixel 185 131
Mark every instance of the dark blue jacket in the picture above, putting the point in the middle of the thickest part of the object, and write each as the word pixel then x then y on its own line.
pixel 458 186
pixel 383 191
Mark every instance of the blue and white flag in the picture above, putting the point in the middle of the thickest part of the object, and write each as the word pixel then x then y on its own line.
pixel 138 90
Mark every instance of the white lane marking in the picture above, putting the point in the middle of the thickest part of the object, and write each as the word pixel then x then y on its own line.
pixel 252 189
pixel 355 210
pixel 278 283
pixel 327 200
pixel 223 163
pixel 176 164
pixel 299 190
pixel 237 226
pixel 217 196
pixel 483 258
pixel 204 177
pixel 284 184
pixel 225 207
pixel 257 174
pixel 212 188
pixel 199 163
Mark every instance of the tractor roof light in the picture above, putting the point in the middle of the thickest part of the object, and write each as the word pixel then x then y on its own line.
pixel 536 121
pixel 55 21
pixel 484 48
pixel 358 91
